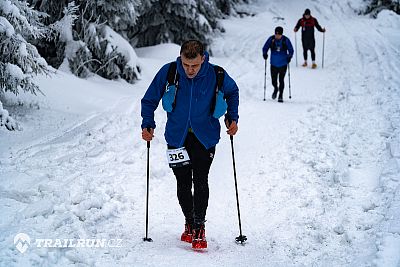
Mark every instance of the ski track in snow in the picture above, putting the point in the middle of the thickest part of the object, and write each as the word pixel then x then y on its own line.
pixel 318 175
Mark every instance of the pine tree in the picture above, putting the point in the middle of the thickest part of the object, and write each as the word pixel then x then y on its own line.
pixel 179 20
pixel 81 31
pixel 104 51
pixel 170 21
pixel 19 59
pixel 6 120
pixel 375 6
pixel 52 49
pixel 210 10
pixel 120 15
pixel 228 7
pixel 143 22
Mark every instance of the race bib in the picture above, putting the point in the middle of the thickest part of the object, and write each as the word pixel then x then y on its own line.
pixel 177 157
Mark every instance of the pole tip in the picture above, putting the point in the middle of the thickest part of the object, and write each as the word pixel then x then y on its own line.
pixel 147 239
pixel 241 239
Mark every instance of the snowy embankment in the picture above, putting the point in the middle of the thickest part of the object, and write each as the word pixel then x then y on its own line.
pixel 318 175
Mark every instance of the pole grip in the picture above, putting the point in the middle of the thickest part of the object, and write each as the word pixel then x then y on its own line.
pixel 148 142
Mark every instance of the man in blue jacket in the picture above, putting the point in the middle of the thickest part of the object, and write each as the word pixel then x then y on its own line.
pixel 281 54
pixel 191 131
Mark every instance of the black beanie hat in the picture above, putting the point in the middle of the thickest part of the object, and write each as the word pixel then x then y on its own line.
pixel 307 12
pixel 279 30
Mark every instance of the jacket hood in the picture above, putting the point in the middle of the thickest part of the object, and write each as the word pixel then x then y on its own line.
pixel 203 70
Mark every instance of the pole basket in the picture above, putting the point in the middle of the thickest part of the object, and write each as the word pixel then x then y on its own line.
pixel 241 239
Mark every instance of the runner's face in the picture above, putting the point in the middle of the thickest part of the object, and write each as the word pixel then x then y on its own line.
pixel 307 16
pixel 192 66
pixel 278 36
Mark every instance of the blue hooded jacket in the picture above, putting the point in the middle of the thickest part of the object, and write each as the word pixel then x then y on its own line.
pixel 279 55
pixel 193 104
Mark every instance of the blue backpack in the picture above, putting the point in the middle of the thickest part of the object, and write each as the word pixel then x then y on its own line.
pixel 218 104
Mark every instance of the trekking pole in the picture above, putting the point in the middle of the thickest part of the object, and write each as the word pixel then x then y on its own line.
pixel 146 238
pixel 295 43
pixel 241 238
pixel 265 77
pixel 290 91
pixel 323 48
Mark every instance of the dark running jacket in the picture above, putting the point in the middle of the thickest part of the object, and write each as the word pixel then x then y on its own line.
pixel 307 27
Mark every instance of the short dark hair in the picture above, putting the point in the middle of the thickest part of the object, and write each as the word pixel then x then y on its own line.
pixel 279 30
pixel 191 48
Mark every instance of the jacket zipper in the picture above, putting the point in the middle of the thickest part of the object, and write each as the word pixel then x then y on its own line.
pixel 190 110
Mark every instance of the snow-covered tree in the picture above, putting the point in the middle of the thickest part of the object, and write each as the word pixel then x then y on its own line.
pixel 375 6
pixel 170 21
pixel 19 59
pixel 6 120
pixel 100 28
pixel 210 10
pixel 120 15
pixel 178 20
pixel 88 33
pixel 52 49
pixel 105 52
pixel 226 6
pixel 81 31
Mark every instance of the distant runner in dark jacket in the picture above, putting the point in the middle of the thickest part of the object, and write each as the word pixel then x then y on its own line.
pixel 307 24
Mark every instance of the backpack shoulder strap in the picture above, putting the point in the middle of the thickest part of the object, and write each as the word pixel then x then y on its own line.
pixel 173 75
pixel 219 76
pixel 284 46
pixel 272 42
pixel 172 79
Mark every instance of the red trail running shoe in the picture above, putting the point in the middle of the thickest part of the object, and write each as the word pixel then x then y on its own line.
pixel 187 234
pixel 199 237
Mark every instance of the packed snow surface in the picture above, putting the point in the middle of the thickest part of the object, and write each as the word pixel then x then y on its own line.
pixel 318 175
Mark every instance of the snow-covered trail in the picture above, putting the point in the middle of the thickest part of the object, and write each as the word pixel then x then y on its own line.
pixel 318 175
pixel 326 174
